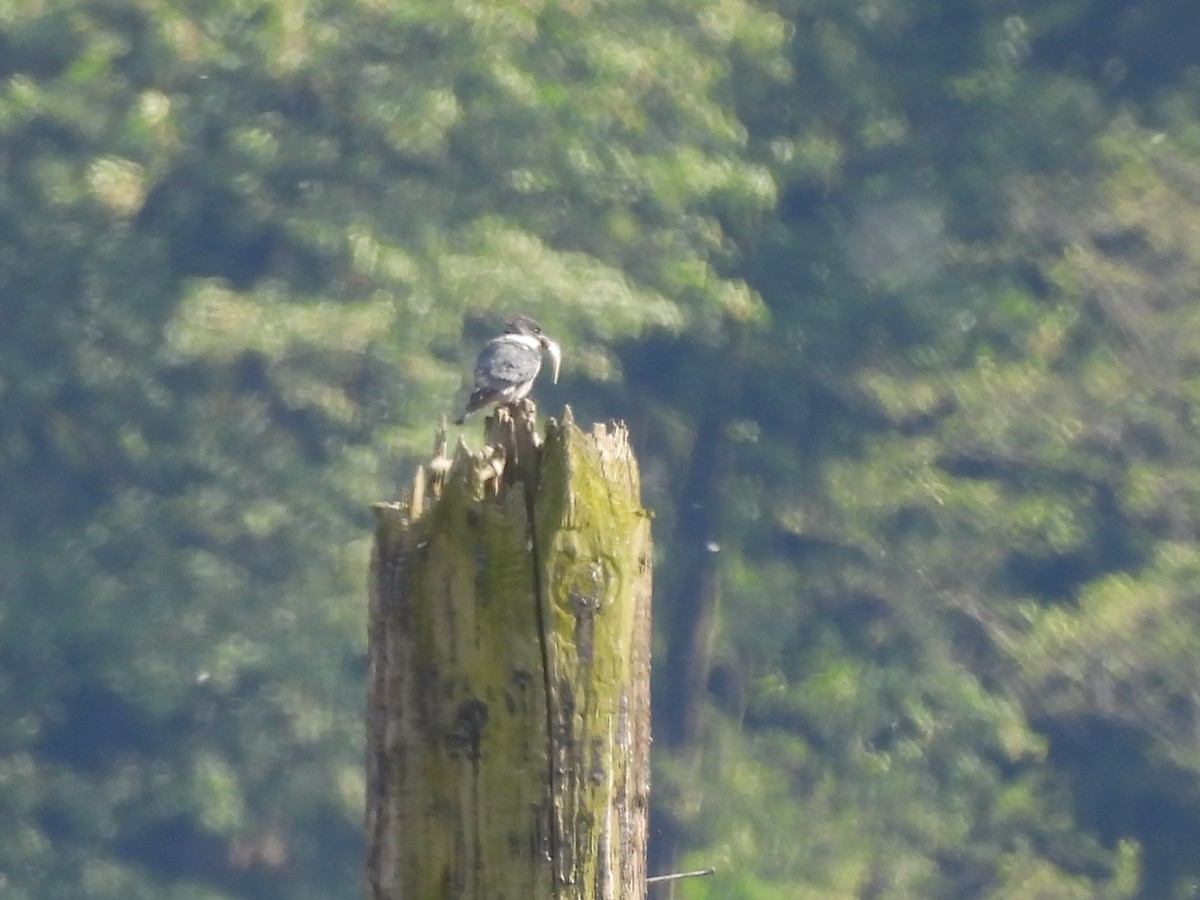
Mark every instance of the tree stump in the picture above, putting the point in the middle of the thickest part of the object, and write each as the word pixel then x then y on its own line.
pixel 508 714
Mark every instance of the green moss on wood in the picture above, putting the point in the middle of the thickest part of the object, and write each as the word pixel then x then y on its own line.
pixel 593 540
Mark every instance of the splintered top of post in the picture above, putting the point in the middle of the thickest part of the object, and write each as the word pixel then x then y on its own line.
pixel 617 462
pixel 512 446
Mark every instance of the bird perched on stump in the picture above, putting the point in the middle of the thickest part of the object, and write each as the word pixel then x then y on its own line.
pixel 508 364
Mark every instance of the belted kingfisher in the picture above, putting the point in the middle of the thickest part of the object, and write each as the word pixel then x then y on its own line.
pixel 508 364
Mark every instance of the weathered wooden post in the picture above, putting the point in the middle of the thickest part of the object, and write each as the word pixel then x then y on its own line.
pixel 508 717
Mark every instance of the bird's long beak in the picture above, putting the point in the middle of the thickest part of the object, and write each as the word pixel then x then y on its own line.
pixel 555 352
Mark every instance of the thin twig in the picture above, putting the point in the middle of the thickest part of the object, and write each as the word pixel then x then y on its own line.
pixel 655 879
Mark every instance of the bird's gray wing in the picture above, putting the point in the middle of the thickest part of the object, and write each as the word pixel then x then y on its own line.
pixel 503 364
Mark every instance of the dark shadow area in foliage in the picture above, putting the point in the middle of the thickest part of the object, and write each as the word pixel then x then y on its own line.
pixel 1124 788
pixel 97 728
pixel 41 49
pixel 211 231
pixel 263 866
pixel 1135 48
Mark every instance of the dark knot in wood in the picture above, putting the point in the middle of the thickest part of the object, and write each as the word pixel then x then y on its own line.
pixel 467 734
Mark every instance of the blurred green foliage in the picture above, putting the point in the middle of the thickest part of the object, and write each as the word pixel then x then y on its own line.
pixel 899 299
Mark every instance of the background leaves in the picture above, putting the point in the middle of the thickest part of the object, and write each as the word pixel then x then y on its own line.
pixel 896 297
